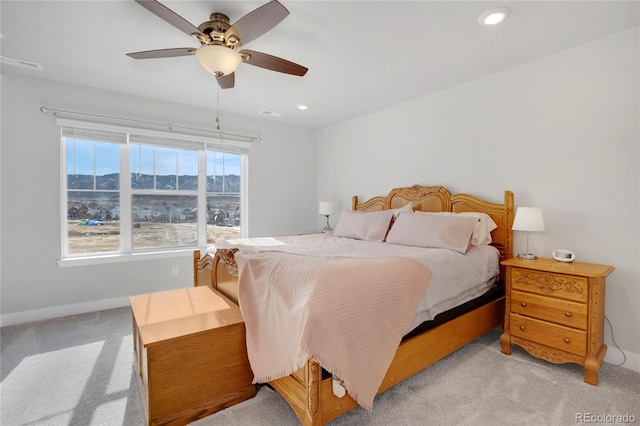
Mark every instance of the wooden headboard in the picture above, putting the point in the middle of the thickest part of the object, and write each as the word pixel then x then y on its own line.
pixel 439 199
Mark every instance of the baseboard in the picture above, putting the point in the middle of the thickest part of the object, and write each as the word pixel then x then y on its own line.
pixel 615 356
pixel 62 311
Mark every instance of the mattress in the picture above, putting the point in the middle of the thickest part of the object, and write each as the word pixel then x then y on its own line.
pixel 456 278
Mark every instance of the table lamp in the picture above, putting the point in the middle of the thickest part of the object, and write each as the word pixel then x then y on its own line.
pixel 528 219
pixel 327 208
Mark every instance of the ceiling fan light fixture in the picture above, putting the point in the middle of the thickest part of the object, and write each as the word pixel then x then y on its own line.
pixel 218 60
pixel 494 16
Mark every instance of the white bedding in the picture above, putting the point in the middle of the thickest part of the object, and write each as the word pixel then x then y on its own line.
pixel 456 278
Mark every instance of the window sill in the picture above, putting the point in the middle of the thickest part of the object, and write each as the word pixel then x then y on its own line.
pixel 119 258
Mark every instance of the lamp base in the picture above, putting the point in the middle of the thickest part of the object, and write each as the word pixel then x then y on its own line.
pixel 327 229
pixel 528 256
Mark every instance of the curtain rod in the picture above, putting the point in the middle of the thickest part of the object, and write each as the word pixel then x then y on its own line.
pixel 219 133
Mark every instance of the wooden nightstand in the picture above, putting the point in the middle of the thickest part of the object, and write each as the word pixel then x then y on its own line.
pixel 555 311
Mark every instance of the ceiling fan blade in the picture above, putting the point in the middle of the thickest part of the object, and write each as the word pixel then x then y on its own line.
pixel 227 81
pixel 173 18
pixel 257 22
pixel 272 63
pixel 163 53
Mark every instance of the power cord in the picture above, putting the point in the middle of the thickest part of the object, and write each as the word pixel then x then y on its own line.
pixel 624 356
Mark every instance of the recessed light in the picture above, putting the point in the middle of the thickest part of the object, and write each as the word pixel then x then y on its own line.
pixel 302 107
pixel 494 16
pixel 270 113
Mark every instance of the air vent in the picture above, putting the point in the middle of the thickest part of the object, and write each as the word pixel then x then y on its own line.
pixel 271 113
pixel 21 63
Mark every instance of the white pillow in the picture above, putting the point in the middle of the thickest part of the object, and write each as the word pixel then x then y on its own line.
pixel 433 230
pixel 482 232
pixel 369 226
pixel 407 208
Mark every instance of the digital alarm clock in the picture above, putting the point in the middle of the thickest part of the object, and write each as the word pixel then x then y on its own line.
pixel 562 255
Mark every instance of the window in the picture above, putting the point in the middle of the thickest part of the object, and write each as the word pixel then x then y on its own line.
pixel 223 195
pixel 135 191
pixel 164 196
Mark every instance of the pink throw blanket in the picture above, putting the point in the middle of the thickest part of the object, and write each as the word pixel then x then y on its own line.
pixel 347 314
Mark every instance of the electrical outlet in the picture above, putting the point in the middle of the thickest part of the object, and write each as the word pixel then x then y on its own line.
pixel 175 270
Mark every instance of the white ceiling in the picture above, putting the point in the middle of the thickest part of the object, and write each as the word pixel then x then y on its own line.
pixel 363 56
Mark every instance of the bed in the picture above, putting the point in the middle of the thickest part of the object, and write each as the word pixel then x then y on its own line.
pixel 310 390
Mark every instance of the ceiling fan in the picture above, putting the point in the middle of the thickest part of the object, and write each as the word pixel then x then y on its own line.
pixel 219 40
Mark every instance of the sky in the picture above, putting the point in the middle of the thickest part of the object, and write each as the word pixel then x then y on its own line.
pixel 144 158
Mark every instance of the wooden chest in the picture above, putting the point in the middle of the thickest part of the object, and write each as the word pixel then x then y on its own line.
pixel 555 311
pixel 190 354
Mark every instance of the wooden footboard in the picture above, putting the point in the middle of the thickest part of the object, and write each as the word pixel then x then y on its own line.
pixel 210 272
pixel 313 400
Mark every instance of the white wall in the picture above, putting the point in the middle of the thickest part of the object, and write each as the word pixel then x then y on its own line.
pixel 561 133
pixel 33 286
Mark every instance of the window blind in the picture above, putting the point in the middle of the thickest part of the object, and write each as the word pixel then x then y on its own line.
pixel 93 135
pixel 120 134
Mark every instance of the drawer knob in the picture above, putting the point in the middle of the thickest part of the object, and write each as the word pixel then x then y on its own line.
pixel 522 327
pixel 523 304
pixel 567 340
pixel 567 314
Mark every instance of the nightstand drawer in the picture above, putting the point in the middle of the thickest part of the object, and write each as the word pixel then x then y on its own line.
pixel 559 311
pixel 557 336
pixel 550 284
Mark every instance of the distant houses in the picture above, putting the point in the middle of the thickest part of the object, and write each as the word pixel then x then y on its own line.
pixel 81 212
pixel 169 214
pixel 224 190
pixel 97 213
pixel 222 217
pixel 164 214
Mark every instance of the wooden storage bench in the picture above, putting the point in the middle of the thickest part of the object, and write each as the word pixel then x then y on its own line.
pixel 190 355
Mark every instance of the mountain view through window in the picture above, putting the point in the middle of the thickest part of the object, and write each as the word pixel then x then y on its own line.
pixel 161 194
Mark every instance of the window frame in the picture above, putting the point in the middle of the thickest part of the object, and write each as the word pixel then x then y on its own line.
pixel 179 140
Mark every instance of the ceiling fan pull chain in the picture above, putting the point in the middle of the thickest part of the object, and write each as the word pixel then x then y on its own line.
pixel 218 106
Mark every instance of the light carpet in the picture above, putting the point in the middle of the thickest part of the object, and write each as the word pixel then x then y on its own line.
pixel 78 370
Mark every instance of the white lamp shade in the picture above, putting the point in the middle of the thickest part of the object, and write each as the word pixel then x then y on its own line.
pixel 218 60
pixel 326 208
pixel 528 219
